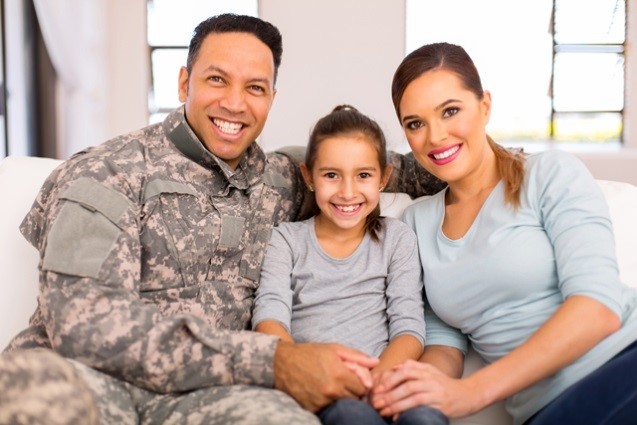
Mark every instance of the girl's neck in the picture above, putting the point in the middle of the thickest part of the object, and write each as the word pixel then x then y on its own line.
pixel 336 241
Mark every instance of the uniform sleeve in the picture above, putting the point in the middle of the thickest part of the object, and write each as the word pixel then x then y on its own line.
pixel 410 177
pixel 405 308
pixel 576 218
pixel 273 299
pixel 86 225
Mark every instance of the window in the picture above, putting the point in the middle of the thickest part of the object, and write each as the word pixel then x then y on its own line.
pixel 555 68
pixel 169 32
pixel 3 104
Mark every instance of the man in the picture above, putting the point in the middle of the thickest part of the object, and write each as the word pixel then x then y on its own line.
pixel 151 246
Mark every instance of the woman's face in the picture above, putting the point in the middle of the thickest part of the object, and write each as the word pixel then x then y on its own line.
pixel 445 125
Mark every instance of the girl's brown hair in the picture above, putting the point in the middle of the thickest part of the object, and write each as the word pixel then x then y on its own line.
pixel 346 120
pixel 450 57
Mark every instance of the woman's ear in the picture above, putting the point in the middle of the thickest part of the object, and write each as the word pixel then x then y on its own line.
pixel 486 106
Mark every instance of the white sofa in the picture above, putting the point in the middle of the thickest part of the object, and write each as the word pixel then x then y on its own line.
pixel 21 178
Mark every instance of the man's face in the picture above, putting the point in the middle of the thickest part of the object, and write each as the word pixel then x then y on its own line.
pixel 228 93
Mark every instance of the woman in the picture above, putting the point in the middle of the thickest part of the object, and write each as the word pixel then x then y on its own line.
pixel 518 260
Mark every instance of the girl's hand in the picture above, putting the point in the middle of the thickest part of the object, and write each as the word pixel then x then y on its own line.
pixel 414 384
pixel 363 373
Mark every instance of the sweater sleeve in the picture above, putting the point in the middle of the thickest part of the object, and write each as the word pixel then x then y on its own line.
pixel 575 217
pixel 273 300
pixel 405 308
pixel 86 224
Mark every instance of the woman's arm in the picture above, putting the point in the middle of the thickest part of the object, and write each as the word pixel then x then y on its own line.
pixel 577 326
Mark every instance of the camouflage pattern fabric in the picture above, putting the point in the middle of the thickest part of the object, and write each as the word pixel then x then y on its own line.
pixel 150 254
pixel 42 388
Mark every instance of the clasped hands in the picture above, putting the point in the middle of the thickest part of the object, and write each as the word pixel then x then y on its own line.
pixel 316 375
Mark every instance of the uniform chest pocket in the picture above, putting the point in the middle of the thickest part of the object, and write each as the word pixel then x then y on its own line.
pixel 178 228
pixel 269 201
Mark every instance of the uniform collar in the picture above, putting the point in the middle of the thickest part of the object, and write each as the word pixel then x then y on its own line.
pixel 250 169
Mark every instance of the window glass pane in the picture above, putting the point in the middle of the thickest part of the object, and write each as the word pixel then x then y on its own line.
pixel 171 22
pixel 166 64
pixel 589 82
pixel 590 22
pixel 511 45
pixel 594 127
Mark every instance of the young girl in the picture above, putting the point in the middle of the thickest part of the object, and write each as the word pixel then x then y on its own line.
pixel 345 274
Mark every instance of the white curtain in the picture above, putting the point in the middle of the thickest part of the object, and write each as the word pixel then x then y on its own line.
pixel 76 36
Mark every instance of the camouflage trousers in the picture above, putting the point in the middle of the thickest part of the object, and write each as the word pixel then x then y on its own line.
pixel 40 387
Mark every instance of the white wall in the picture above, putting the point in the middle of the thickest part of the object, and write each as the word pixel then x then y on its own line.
pixel 335 51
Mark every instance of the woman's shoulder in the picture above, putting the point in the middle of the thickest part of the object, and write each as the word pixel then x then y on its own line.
pixel 554 165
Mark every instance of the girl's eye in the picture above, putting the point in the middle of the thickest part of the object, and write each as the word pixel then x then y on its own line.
pixel 330 175
pixel 449 112
pixel 365 175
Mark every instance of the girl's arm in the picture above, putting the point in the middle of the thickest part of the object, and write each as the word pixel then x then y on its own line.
pixel 272 327
pixel 401 348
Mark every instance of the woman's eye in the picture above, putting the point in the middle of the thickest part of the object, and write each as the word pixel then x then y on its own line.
pixel 449 112
pixel 414 125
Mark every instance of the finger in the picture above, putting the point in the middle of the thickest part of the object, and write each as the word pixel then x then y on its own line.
pixel 350 355
pixel 407 403
pixel 363 374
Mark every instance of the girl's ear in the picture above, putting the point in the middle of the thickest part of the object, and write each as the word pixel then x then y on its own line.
pixel 307 176
pixel 386 175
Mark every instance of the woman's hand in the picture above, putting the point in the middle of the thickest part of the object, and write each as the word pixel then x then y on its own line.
pixel 414 384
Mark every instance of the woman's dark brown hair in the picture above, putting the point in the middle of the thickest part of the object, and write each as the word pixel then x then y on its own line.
pixel 345 120
pixel 450 57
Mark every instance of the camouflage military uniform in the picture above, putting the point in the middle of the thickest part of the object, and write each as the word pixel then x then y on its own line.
pixel 150 255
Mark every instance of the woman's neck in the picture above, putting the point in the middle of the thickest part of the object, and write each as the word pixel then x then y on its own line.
pixel 477 183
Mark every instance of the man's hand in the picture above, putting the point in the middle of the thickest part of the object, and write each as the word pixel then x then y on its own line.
pixel 316 374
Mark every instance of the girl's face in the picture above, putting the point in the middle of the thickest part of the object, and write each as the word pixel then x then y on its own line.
pixel 347 180
pixel 445 125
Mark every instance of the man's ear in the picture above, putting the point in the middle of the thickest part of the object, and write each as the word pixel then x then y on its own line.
pixel 183 84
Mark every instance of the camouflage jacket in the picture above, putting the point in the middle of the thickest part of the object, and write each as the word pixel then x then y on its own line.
pixel 150 252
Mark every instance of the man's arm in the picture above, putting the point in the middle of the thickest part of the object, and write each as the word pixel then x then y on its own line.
pixel 410 177
pixel 88 232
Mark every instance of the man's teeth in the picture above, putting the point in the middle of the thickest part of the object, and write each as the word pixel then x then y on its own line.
pixel 347 208
pixel 446 154
pixel 228 127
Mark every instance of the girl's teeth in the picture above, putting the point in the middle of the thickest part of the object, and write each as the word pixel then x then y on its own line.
pixel 347 208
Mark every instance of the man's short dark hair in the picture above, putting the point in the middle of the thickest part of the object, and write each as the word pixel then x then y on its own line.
pixel 230 22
